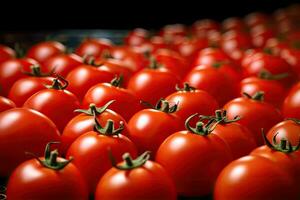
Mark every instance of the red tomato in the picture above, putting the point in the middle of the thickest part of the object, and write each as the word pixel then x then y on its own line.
pixel 90 151
pixel 47 178
pixel 6 53
pixel 83 77
pixel 6 104
pixel 136 174
pixel 292 56
pixel 260 35
pixel 23 130
pixel 147 84
pixel 254 177
pixel 84 122
pixel 233 23
pixel 256 18
pixel 209 56
pixel 136 37
pixel 190 100
pixel 189 47
pixel 255 114
pixel 93 47
pixel 55 102
pixel 277 47
pixel 148 128
pixel 288 130
pixel 44 50
pixel 212 81
pixel 173 30
pixel 202 27
pixel 62 64
pixel 126 103
pixel 203 156
pixel 12 70
pixel 291 104
pixel 233 39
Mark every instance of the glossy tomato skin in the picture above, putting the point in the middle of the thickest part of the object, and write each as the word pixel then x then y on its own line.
pixel 126 103
pixel 152 84
pixel 83 77
pixel 273 90
pixel 154 180
pixel 62 64
pixel 209 56
pixel 93 47
pixel 254 114
pixel 83 123
pixel 6 53
pixel 11 71
pixel 254 177
pixel 35 129
pixel 66 183
pixel 26 87
pixel 288 130
pixel 90 152
pixel 148 128
pixel 44 50
pixel 292 56
pixel 203 157
pixel 291 104
pixel 6 104
pixel 58 105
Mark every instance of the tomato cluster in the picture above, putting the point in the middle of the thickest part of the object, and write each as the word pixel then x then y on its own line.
pixel 207 110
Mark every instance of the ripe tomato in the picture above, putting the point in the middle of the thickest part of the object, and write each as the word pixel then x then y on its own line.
pixel 83 77
pixel 209 56
pixel 234 39
pixel 291 104
pixel 292 56
pixel 148 128
pixel 190 100
pixel 136 37
pixel 201 28
pixel 90 151
pixel 44 50
pixel 255 114
pixel 288 130
pixel 23 130
pixel 233 23
pixel 93 47
pixel 12 70
pixel 84 122
pixel 59 176
pixel 135 174
pixel 147 84
pixel 6 53
pixel 6 104
pixel 62 64
pixel 254 177
pixel 260 34
pixel 55 102
pixel 256 18
pixel 126 103
pixel 203 156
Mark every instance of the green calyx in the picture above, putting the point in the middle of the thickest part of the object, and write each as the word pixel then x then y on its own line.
pixel 20 52
pixel 129 163
pixel 117 81
pixel 268 51
pixel 221 117
pixel 59 83
pixel 201 128
pixel 284 146
pixel 258 96
pixel 162 105
pixel 186 88
pixel 51 160
pixel 109 128
pixel 93 110
pixel 297 121
pixel 264 74
pixel 154 64
pixel 90 60
pixel 36 71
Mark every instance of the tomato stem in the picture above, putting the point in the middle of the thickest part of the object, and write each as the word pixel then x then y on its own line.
pixel 93 110
pixel 264 74
pixel 117 81
pixel 164 106
pixel 57 85
pixel 109 127
pixel 258 96
pixel 186 88
pixel 129 163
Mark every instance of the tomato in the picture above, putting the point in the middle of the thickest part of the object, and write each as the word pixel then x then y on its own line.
pixel 256 18
pixel 260 34
pixel 233 23
pixel 83 77
pixel 292 56
pixel 23 130
pixel 136 174
pixel 209 56
pixel 273 90
pixel 233 39
pixel 291 104
pixel 6 53
pixel 190 100
pixel 288 130
pixel 201 28
pixel 44 50
pixel 6 104
pixel 55 102
pixel 194 158
pixel 12 70
pixel 212 81
pixel 254 177
pixel 93 47
pixel 173 30
pixel 84 122
pixel 90 151
pixel 136 37
pixel 255 114
pixel 62 64
pixel 126 103
pixel 148 128
pixel 147 84
pixel 59 176
pixel 277 47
